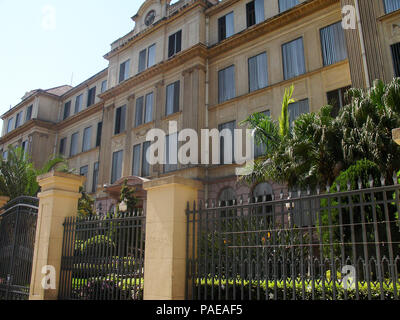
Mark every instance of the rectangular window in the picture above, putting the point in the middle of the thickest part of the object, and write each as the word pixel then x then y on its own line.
pixel 63 144
pixel 99 132
pixel 148 114
pixel 120 115
pixel 285 5
pixel 145 163
pixel 29 113
pixel 174 43
pixel 124 70
pixel 24 146
pixel 95 177
pixel 136 160
pixel 5 155
pixel 293 59
pixel 395 48
pixel 87 137
pixel 142 60
pixel 391 5
pixel 260 149
pixel 337 99
pixel 67 110
pixel 139 112
pixel 91 96
pixel 255 12
pixel 116 171
pixel 258 72
pixel 227 157
pixel 9 125
pixel 226 84
pixel 18 120
pixel 78 104
pixel 226 26
pixel 297 109
pixel 104 86
pixel 171 153
pixel 74 145
pixel 151 56
pixel 333 44
pixel 172 103
pixel 84 172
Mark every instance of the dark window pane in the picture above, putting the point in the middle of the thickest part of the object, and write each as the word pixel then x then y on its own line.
pixel 99 133
pixel 74 145
pixel 87 136
pixel 337 99
pixel 63 143
pixel 139 112
pixel 29 113
pixel 251 13
pixel 396 58
pixel 172 102
pixel 67 110
pixel 91 96
pixel 120 114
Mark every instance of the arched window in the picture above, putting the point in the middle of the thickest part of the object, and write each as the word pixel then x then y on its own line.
pixel 226 197
pixel 261 190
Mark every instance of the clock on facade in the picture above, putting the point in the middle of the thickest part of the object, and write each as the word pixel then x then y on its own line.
pixel 150 18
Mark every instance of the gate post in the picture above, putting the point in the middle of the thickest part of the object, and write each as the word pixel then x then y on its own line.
pixel 165 253
pixel 58 199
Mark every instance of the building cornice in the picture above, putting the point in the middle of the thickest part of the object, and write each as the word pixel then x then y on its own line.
pixel 199 50
pixel 26 127
pixel 135 38
pixel 269 25
pixel 81 115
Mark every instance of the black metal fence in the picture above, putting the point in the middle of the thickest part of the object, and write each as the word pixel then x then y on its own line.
pixel 103 258
pixel 336 245
pixel 17 240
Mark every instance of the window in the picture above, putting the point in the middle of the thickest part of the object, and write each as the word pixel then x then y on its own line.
pixel 136 160
pixel 67 110
pixel 255 12
pixel 87 136
pixel 148 114
pixel 145 163
pixel 293 59
pixel 95 177
pixel 5 155
pixel 395 48
pixel 391 5
pixel 227 197
pixel 120 115
pixel 226 84
pixel 226 26
pixel 151 56
pixel 142 60
pixel 285 5
pixel 124 70
pixel 139 112
pixel 337 100
pixel 171 153
pixel 260 191
pixel 91 96
pixel 116 171
pixel 24 146
pixel 333 44
pixel 9 125
pixel 260 149
pixel 297 109
pixel 29 113
pixel 74 145
pixel 172 103
pixel 18 119
pixel 84 172
pixel 104 86
pixel 227 142
pixel 258 72
pixel 99 132
pixel 78 104
pixel 174 43
pixel 63 144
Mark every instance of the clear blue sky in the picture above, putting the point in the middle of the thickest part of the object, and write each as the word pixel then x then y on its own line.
pixel 44 42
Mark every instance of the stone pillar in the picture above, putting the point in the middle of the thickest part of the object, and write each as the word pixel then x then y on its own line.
pixel 166 223
pixel 58 199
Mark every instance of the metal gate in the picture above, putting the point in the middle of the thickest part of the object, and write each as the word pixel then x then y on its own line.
pixel 103 257
pixel 17 240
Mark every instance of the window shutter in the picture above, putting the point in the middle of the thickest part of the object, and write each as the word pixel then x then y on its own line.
pixel 178 41
pixel 171 46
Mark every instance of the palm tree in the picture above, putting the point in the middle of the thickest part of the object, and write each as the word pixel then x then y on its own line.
pixel 18 175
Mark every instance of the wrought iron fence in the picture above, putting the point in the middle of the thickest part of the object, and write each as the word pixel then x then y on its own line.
pixel 336 245
pixel 103 257
pixel 17 240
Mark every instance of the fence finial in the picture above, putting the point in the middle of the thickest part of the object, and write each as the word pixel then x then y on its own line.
pixel 383 180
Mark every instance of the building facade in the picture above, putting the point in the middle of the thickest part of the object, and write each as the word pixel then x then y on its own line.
pixel 204 64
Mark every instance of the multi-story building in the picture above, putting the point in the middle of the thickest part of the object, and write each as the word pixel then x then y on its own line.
pixel 204 64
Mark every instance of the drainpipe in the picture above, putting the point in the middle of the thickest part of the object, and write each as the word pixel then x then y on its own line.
pixel 363 53
pixel 206 192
